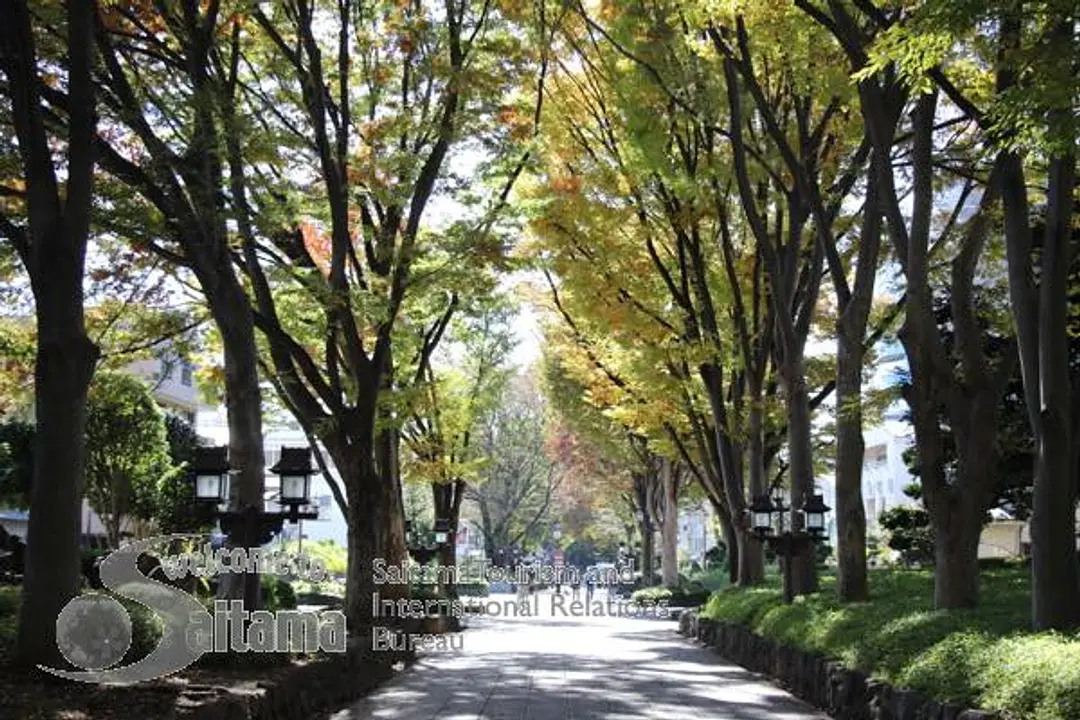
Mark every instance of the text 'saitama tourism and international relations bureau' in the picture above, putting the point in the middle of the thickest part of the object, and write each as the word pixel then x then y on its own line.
pixel 578 599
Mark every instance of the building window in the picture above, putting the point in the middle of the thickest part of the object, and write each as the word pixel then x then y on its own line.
pixel 186 373
pixel 166 370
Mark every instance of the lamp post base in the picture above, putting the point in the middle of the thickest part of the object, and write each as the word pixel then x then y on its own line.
pixel 789 545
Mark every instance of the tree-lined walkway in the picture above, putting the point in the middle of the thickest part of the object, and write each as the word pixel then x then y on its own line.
pixel 556 668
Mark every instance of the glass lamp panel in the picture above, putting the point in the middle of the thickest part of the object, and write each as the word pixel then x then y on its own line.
pixel 762 522
pixel 208 487
pixel 294 489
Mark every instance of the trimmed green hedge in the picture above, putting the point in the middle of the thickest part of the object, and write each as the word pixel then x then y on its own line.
pixel 984 657
pixel 424 591
pixel 691 595
pixel 476 589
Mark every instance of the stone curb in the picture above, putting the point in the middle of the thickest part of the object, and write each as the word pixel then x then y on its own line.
pixel 844 693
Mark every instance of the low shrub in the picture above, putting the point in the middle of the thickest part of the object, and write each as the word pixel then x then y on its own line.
pixel 10 599
pixel 982 657
pixel 326 587
pixel 689 595
pixel 421 591
pixel 713 579
pixel 651 596
pixel 146 629
pixel 716 555
pixel 278 593
pixel 476 589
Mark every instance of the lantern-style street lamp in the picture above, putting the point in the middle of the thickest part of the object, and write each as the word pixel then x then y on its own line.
pixel 761 510
pixel 210 468
pixel 294 469
pixel 814 510
pixel 767 522
pixel 253 526
pixel 442 531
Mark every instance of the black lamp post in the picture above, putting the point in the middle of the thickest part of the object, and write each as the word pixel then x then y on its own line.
pixel 767 522
pixel 442 532
pixel 252 526
pixel 423 552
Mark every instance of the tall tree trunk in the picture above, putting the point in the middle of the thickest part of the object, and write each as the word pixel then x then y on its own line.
pixel 730 533
pixel 53 250
pixel 447 499
pixel 243 406
pixel 375 531
pixel 851 581
pixel 855 304
pixel 1040 315
pixel 647 551
pixel 966 387
pixel 669 527
pixel 751 550
pixel 747 548
pixel 63 370
pixel 956 554
pixel 243 399
pixel 447 558
pixel 1055 575
pixel 800 468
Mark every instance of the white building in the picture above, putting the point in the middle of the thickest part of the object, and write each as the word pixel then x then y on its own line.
pixel 172 381
pixel 695 532
pixel 885 475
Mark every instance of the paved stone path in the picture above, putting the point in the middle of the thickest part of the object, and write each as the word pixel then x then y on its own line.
pixel 556 667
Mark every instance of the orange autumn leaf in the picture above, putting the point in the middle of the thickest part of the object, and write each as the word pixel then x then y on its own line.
pixel 317 244
pixel 566 184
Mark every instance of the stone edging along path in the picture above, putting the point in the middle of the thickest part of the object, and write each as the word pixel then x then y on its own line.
pixel 844 693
